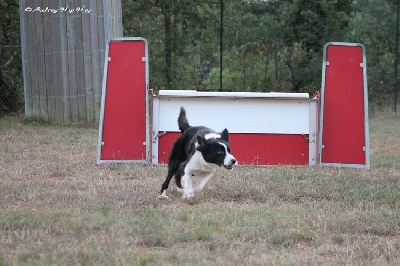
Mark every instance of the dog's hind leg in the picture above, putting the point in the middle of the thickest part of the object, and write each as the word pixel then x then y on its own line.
pixel 173 166
pixel 179 174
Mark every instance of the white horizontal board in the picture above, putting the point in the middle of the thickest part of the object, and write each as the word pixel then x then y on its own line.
pixel 238 115
pixel 193 93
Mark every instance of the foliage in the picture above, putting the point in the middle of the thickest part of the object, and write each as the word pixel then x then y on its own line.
pixel 374 25
pixel 309 25
pixel 10 58
pixel 267 45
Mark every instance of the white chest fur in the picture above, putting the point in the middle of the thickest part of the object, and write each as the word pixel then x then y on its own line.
pixel 197 164
pixel 199 168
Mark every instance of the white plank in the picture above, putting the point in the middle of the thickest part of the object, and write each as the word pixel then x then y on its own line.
pixel 193 93
pixel 245 115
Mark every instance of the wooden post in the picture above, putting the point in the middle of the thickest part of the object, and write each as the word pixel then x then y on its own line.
pixel 63 49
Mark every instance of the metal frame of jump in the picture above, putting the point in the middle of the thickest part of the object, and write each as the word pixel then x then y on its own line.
pixel 343 119
pixel 121 106
pixel 265 128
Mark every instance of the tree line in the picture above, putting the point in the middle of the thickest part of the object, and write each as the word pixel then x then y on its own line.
pixel 267 45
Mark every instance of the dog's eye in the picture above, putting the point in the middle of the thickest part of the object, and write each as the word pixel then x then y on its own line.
pixel 220 152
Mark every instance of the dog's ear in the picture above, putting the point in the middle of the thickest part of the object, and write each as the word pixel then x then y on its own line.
pixel 201 140
pixel 225 135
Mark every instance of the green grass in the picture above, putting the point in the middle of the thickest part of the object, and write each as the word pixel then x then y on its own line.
pixel 58 207
pixel 35 120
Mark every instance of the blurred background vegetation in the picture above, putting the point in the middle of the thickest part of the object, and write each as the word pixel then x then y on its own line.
pixel 11 81
pixel 267 45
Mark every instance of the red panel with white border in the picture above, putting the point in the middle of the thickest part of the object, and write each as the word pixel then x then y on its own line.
pixel 123 123
pixel 254 149
pixel 344 139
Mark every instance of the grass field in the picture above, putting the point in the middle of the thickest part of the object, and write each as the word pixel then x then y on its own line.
pixel 58 207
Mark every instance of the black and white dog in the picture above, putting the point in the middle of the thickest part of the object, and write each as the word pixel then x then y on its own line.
pixel 197 153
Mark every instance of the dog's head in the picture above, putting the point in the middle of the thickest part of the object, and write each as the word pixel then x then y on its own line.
pixel 217 150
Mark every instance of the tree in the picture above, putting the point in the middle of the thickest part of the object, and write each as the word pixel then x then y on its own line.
pixel 309 25
pixel 10 58
pixel 180 36
pixel 374 25
pixel 273 45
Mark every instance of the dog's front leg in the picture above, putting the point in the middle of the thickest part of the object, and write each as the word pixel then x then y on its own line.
pixel 187 186
pixel 199 186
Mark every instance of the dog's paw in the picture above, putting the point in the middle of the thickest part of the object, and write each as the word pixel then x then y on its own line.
pixel 163 195
pixel 188 195
pixel 180 190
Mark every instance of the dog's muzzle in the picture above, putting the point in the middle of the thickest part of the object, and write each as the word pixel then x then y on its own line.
pixel 230 165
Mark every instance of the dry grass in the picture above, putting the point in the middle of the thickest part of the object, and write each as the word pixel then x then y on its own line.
pixel 58 207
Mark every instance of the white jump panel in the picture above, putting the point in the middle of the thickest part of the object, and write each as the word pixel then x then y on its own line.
pixel 244 114
pixel 193 93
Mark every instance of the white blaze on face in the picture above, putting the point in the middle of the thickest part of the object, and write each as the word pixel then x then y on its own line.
pixel 212 136
pixel 228 157
pixel 208 136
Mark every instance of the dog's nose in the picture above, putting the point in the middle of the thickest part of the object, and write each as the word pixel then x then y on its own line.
pixel 233 161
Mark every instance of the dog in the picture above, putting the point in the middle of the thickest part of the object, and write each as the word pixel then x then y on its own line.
pixel 198 153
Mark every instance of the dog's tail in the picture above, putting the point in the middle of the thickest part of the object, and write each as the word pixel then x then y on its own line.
pixel 183 123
